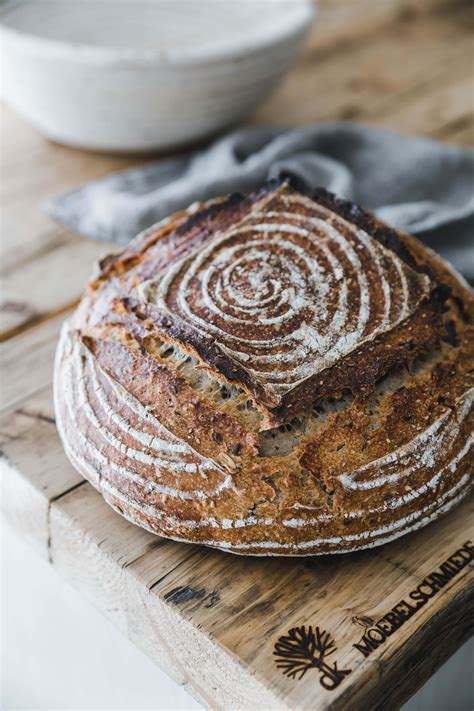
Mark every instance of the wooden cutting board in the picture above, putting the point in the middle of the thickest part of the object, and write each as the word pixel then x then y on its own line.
pixel 341 632
pixel 350 632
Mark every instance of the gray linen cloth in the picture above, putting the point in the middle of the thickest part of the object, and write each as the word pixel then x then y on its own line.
pixel 419 185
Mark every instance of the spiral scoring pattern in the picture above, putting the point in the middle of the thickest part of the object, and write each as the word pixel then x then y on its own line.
pixel 285 292
pixel 289 291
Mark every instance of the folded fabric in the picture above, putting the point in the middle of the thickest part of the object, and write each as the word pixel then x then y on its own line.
pixel 416 184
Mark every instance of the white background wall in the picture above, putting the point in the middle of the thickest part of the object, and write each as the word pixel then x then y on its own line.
pixel 58 652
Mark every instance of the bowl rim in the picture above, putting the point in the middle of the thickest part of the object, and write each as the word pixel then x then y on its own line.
pixel 193 57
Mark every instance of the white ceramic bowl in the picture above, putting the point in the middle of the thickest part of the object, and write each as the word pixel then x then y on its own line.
pixel 135 75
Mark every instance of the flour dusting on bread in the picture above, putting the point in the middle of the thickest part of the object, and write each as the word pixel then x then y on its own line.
pixel 285 295
pixel 275 374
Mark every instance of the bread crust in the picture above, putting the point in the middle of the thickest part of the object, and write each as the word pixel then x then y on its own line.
pixel 380 438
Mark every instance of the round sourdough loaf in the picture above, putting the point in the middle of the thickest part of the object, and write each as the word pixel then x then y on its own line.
pixel 272 374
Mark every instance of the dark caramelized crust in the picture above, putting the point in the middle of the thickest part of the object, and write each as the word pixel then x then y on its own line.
pixel 278 374
pixel 282 290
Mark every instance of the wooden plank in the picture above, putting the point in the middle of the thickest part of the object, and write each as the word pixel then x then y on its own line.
pixel 47 285
pixel 28 433
pixel 33 169
pixel 212 619
pixel 27 362
pixel 260 600
pixel 342 21
pixel 356 84
pixel 34 470
pixel 460 133
pixel 438 113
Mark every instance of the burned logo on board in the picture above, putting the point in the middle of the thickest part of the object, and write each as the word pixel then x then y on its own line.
pixel 305 648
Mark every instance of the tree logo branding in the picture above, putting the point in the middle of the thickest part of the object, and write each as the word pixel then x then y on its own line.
pixel 303 649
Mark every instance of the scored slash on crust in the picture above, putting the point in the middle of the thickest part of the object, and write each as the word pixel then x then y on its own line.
pixel 284 296
pixel 263 282
pixel 96 461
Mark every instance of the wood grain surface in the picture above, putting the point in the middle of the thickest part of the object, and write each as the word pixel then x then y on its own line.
pixel 211 619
